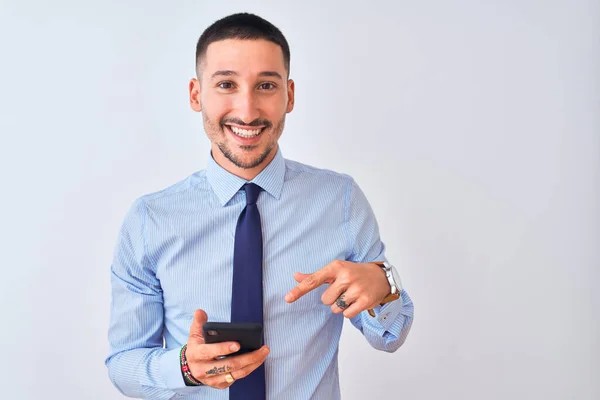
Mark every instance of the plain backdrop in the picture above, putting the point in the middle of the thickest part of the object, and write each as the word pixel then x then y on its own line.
pixel 472 126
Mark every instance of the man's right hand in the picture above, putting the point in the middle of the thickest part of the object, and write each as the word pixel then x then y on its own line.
pixel 203 359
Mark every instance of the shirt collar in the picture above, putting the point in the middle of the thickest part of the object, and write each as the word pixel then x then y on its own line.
pixel 226 185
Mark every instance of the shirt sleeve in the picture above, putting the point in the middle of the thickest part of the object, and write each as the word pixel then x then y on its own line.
pixel 389 328
pixel 137 363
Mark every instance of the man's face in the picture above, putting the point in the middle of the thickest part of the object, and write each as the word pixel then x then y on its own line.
pixel 243 93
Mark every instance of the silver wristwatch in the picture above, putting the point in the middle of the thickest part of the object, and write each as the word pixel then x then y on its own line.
pixel 395 284
pixel 392 276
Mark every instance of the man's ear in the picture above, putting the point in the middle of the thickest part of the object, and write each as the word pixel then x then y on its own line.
pixel 290 88
pixel 194 88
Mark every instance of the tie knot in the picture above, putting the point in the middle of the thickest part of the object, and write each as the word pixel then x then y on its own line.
pixel 252 192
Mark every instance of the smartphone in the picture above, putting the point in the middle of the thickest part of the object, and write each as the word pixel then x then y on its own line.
pixel 248 334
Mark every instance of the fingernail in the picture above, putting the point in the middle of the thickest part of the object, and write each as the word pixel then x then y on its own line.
pixel 288 297
pixel 233 347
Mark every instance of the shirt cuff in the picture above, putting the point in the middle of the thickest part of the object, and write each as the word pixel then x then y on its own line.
pixel 387 314
pixel 170 370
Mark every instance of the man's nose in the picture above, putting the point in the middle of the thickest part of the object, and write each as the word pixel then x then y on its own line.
pixel 246 107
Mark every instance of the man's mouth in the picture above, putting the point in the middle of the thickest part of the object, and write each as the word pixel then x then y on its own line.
pixel 245 133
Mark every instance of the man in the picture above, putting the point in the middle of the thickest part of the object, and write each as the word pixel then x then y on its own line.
pixel 253 237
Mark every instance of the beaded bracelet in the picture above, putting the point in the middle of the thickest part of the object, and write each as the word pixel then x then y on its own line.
pixel 185 369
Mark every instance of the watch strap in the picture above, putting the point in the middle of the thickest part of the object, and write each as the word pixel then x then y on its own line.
pixel 389 298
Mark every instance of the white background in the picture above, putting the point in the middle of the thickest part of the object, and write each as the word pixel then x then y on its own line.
pixel 472 126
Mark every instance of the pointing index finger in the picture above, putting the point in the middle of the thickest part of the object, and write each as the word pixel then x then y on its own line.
pixel 309 283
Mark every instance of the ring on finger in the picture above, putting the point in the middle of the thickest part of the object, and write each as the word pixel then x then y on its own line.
pixel 229 378
pixel 341 302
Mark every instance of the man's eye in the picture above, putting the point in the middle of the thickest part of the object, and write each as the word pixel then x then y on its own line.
pixel 226 85
pixel 266 86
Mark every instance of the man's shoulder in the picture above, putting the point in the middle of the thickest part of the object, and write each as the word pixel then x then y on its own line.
pixel 298 170
pixel 190 183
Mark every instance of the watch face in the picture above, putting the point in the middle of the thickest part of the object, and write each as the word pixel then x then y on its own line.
pixel 396 278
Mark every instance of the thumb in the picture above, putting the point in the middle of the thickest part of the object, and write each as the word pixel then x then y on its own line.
pixel 200 318
pixel 299 276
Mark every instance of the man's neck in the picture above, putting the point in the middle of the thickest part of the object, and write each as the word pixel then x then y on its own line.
pixel 245 173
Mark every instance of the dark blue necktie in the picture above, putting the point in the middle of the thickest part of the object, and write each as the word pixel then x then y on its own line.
pixel 247 290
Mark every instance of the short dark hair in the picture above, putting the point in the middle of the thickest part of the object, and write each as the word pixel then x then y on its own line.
pixel 242 26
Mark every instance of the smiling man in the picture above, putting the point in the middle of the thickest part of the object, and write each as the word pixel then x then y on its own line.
pixel 244 93
pixel 254 237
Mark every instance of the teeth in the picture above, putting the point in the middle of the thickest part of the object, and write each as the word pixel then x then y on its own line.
pixel 244 132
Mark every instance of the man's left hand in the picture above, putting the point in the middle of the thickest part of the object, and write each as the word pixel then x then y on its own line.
pixel 353 287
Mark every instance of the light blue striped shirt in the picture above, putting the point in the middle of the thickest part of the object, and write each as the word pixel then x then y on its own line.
pixel 174 254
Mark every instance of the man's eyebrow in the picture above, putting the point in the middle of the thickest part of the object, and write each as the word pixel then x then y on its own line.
pixel 224 72
pixel 271 73
pixel 227 72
